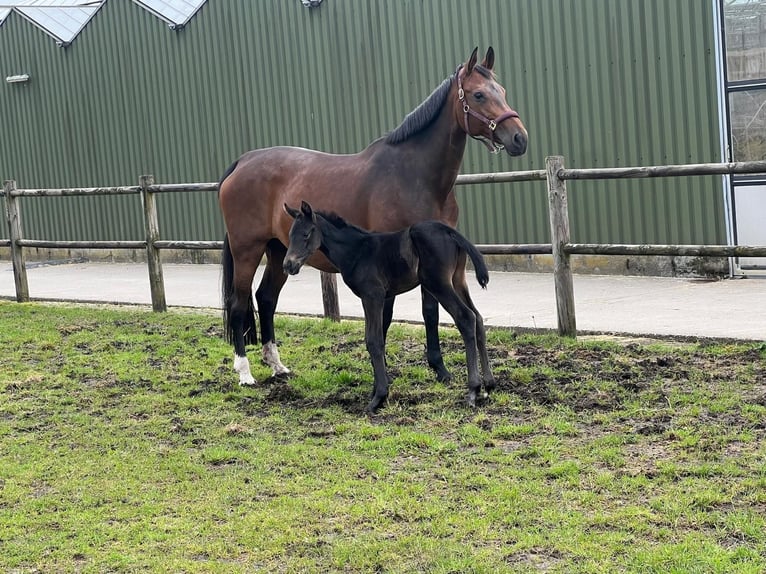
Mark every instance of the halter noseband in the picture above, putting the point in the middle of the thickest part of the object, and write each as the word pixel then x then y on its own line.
pixel 491 144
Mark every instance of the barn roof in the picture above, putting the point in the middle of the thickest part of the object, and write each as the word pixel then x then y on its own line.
pixel 64 19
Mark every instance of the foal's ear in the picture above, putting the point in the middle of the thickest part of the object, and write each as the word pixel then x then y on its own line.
pixel 291 212
pixel 471 61
pixel 306 209
pixel 489 59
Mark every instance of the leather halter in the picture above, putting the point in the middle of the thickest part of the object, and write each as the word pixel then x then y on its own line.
pixel 491 144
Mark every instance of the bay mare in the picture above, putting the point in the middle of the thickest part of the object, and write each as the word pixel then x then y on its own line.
pixel 400 179
pixel 379 266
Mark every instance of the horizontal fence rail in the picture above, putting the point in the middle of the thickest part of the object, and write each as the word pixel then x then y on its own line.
pixel 95 191
pixel 555 175
pixel 673 250
pixel 683 170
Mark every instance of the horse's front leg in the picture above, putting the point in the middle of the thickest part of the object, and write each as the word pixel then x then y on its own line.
pixel 267 296
pixel 374 338
pixel 433 350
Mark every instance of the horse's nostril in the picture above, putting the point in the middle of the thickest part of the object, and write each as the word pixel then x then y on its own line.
pixel 520 141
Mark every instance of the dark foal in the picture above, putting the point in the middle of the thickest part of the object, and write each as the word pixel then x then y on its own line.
pixel 379 266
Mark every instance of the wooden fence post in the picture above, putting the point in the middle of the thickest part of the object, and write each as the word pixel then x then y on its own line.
pixel 330 296
pixel 562 269
pixel 13 215
pixel 152 229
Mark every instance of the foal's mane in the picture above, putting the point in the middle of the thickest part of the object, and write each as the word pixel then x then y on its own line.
pixel 338 222
pixel 422 116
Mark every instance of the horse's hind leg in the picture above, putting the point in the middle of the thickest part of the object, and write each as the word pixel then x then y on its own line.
pixel 433 350
pixel 267 296
pixel 241 319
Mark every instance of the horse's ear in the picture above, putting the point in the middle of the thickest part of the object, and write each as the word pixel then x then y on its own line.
pixel 471 61
pixel 489 59
pixel 290 211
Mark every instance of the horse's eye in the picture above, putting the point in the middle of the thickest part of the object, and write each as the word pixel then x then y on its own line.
pixel 478 95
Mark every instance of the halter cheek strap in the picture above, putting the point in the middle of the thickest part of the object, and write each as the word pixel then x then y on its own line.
pixel 491 144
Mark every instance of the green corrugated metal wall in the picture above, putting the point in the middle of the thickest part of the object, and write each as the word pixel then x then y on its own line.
pixel 602 83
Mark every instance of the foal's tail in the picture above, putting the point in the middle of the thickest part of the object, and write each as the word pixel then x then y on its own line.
pixel 479 265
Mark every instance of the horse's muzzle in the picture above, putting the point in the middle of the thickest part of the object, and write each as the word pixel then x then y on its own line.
pixel 515 142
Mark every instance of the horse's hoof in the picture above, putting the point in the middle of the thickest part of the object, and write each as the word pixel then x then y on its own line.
pixel 283 375
pixel 471 399
pixel 490 385
pixel 246 381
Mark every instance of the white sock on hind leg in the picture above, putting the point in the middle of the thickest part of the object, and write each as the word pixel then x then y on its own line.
pixel 242 366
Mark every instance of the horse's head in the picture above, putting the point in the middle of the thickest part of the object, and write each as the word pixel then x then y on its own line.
pixel 482 110
pixel 305 238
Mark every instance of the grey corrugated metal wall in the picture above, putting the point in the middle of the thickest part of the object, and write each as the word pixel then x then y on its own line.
pixel 602 83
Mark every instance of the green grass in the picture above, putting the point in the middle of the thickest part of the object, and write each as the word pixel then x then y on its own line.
pixel 126 445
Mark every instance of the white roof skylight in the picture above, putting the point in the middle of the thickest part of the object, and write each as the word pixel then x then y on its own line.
pixel 175 12
pixel 64 19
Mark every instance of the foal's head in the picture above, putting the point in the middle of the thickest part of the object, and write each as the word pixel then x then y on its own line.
pixel 305 238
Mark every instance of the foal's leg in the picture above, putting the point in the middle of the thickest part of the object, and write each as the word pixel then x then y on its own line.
pixel 388 314
pixel 267 296
pixel 461 288
pixel 433 350
pixel 374 338
pixel 465 321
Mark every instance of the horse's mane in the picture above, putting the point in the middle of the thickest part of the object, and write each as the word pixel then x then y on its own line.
pixel 422 116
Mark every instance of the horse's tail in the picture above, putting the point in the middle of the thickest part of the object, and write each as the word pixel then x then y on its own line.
pixel 228 295
pixel 227 288
pixel 227 173
pixel 479 265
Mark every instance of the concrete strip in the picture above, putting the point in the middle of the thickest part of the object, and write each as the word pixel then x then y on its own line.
pixel 732 308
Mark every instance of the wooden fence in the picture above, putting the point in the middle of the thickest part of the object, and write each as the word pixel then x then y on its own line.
pixel 555 175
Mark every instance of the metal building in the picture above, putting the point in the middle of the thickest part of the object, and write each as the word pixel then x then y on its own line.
pixel 98 93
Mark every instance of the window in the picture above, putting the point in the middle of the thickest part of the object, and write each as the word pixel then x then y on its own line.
pixel 745 27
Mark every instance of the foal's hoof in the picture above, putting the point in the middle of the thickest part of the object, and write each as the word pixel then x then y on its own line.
pixel 442 374
pixel 490 385
pixel 471 399
pixel 375 404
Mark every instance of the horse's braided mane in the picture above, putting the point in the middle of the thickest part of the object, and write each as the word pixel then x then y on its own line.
pixel 422 116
